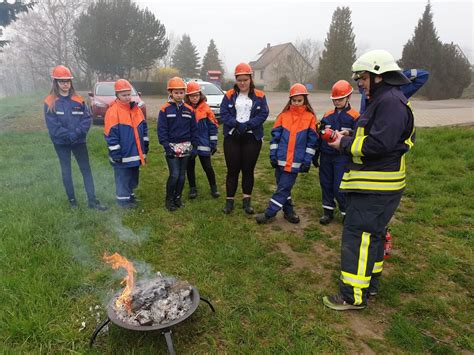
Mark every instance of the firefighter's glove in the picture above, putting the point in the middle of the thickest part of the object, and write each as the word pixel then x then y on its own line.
pixel 117 160
pixel 274 163
pixel 213 150
pixel 304 168
pixel 315 162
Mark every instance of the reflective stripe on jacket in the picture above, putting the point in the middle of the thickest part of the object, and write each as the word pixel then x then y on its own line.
pixel 294 139
pixel 384 133
pixel 126 132
pixel 206 132
pixel 67 118
pixel 258 114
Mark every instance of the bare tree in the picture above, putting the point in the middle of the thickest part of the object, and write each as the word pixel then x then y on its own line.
pixel 42 39
pixel 167 60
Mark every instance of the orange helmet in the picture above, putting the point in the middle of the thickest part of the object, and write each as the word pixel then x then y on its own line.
pixel 122 85
pixel 243 69
pixel 298 89
pixel 341 89
pixel 176 83
pixel 61 72
pixel 192 88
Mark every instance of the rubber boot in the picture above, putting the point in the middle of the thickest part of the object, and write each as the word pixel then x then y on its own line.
pixel 192 192
pixel 229 205
pixel 327 217
pixel 214 192
pixel 292 217
pixel 246 205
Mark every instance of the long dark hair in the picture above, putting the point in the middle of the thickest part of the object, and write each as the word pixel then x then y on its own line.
pixel 202 98
pixel 251 87
pixel 55 93
pixel 306 103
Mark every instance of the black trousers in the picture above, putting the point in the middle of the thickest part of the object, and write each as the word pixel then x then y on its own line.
pixel 82 157
pixel 367 215
pixel 241 154
pixel 207 167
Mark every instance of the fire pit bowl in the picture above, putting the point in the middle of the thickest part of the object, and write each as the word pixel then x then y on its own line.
pixel 165 328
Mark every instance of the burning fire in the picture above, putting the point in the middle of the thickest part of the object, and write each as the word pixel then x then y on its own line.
pixel 118 261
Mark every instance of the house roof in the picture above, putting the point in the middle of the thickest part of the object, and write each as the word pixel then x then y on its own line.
pixel 268 55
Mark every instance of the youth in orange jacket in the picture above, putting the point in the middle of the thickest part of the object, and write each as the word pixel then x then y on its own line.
pixel 292 148
pixel 126 133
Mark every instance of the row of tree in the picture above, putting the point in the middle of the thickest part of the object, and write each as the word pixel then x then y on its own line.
pixel 111 38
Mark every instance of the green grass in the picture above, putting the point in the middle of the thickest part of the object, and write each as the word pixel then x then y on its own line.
pixel 52 274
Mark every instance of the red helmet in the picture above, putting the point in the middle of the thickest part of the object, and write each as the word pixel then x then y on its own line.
pixel 122 85
pixel 243 69
pixel 192 88
pixel 176 83
pixel 298 89
pixel 341 89
pixel 60 72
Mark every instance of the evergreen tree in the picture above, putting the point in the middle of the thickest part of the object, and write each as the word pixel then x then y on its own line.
pixel 340 50
pixel 186 58
pixel 9 12
pixel 449 70
pixel 130 38
pixel 211 60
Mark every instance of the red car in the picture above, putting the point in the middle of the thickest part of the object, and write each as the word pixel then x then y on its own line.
pixel 103 95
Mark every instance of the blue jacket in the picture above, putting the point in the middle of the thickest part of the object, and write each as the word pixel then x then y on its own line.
pixel 294 139
pixel 176 125
pixel 418 78
pixel 206 129
pixel 337 120
pixel 383 134
pixel 126 134
pixel 258 114
pixel 67 118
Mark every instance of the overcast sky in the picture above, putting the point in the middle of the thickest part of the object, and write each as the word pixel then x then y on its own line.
pixel 241 28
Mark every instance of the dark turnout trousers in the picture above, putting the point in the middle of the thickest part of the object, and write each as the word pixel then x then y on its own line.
pixel 367 215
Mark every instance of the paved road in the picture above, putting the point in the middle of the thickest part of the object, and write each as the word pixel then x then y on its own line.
pixel 427 113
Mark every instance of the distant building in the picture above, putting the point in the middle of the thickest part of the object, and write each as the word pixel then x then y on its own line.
pixel 274 64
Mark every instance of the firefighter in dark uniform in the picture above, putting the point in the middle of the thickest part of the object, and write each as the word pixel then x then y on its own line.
pixel 375 180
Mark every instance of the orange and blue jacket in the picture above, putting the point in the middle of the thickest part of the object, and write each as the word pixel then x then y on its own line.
pixel 126 133
pixel 206 134
pixel 344 119
pixel 258 114
pixel 294 139
pixel 176 124
pixel 67 118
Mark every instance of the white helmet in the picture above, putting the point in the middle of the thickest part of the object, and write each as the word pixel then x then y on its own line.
pixel 379 62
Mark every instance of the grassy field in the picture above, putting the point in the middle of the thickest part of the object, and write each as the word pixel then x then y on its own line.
pixel 266 282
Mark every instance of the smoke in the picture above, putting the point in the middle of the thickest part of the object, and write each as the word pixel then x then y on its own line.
pixel 124 233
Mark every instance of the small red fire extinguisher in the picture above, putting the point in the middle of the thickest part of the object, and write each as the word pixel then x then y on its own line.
pixel 387 248
pixel 328 135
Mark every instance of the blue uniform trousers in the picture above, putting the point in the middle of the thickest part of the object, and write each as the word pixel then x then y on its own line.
pixel 281 198
pixel 126 180
pixel 331 170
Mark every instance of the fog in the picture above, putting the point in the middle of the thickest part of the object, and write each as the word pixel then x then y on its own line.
pixel 242 28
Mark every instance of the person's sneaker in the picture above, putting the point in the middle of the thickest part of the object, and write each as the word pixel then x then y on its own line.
pixel 372 294
pixel 214 192
pixel 262 218
pixel 73 203
pixel 246 205
pixel 178 202
pixel 337 303
pixel 292 217
pixel 193 193
pixel 97 206
pixel 327 217
pixel 134 198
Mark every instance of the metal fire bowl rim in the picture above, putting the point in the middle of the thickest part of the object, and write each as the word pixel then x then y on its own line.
pixel 114 319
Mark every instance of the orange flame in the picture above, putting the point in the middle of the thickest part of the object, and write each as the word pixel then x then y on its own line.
pixel 118 261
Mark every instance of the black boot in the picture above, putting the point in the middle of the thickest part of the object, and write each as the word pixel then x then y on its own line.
pixel 192 192
pixel 214 192
pixel 96 205
pixel 229 205
pixel 169 204
pixel 292 217
pixel 177 202
pixel 246 206
pixel 262 218
pixel 327 217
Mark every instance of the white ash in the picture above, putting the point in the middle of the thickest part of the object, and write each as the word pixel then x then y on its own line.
pixel 157 301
